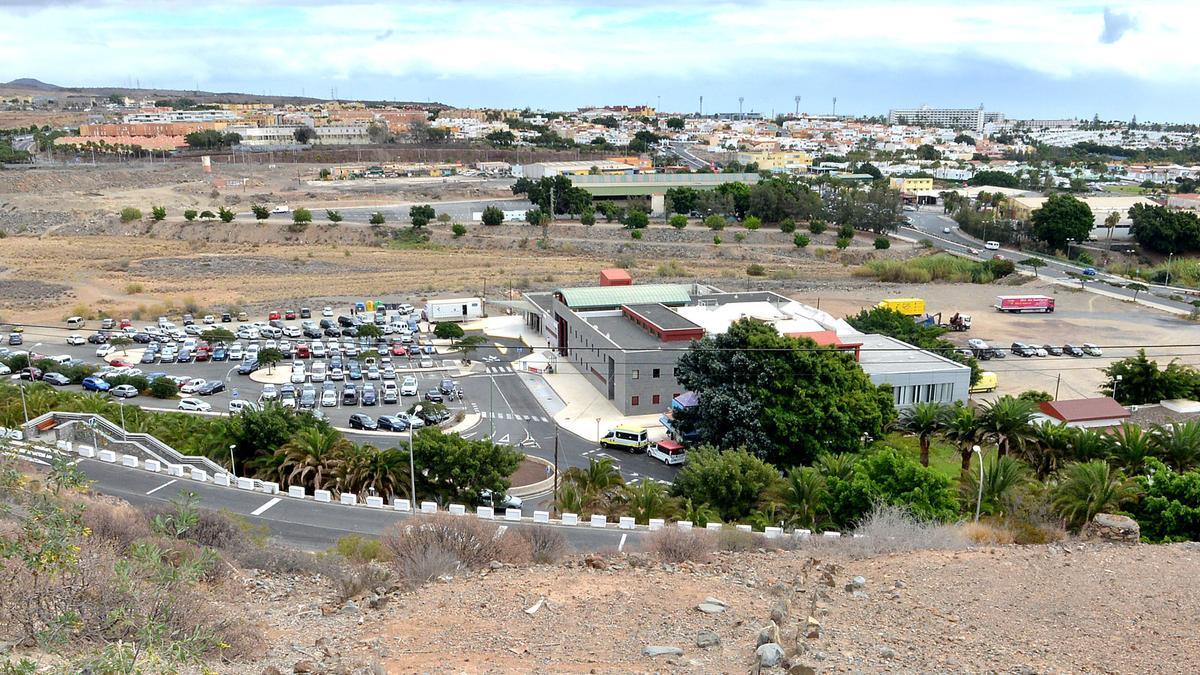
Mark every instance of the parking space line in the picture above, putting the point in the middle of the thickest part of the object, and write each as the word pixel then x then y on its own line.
pixel 262 509
pixel 161 487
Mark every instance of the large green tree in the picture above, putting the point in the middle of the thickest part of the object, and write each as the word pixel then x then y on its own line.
pixel 1141 381
pixel 456 469
pixel 733 482
pixel 780 197
pixel 889 476
pixel 785 399
pixel 995 178
pixel 1060 218
pixel 1169 509
pixel 1164 230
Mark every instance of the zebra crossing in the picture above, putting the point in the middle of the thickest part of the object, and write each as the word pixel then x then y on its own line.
pixel 514 416
pixel 499 370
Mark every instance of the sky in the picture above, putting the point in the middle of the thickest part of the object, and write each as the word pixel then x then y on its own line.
pixel 1043 59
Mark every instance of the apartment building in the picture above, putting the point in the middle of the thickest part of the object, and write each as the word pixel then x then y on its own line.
pixel 949 118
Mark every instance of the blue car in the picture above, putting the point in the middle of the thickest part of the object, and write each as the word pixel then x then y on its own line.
pixel 1089 271
pixel 95 384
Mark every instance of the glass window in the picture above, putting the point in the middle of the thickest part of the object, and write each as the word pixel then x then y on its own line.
pixel 633 401
pixel 655 399
pixel 654 374
pixel 635 373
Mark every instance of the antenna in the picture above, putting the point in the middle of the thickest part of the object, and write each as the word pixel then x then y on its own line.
pixel 702 106
pixel 797 105
pixel 740 99
pixel 835 106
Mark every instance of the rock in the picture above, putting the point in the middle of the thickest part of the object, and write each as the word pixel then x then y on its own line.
pixel 887 652
pixel 779 611
pixel 595 562
pixel 856 583
pixel 801 669
pixel 495 565
pixel 710 608
pixel 377 601
pixel 1109 527
pixel 716 601
pixel 304 666
pixel 899 584
pixel 660 650
pixel 769 655
pixel 768 634
pixel 707 638
pixel 351 607
pixel 812 630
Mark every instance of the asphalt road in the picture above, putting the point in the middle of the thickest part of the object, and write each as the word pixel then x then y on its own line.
pixel 931 223
pixel 460 211
pixel 304 524
pixel 681 151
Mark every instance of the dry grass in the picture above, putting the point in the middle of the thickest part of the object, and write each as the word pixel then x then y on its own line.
pixel 422 549
pixel 988 533
pixel 357 580
pixel 117 524
pixel 892 529
pixel 673 545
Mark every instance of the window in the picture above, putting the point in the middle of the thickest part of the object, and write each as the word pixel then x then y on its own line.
pixel 635 374
pixel 654 374
pixel 655 399
pixel 675 371
pixel 633 401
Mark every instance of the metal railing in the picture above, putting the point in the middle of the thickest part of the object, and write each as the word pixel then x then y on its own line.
pixel 145 445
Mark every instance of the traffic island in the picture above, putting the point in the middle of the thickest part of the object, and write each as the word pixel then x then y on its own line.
pixel 278 376
pixel 534 476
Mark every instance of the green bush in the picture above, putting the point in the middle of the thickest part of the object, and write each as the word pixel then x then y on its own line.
pixel 787 226
pixel 588 217
pixel 130 214
pixel 458 229
pixel 189 215
pixel 817 226
pixel 492 215
pixel 889 476
pixel 157 213
pixel 301 215
pixel 260 212
pixel 756 270
pixel 636 234
pixel 1169 509
pixel 448 330
pixel 801 240
pixel 636 219
pixel 938 267
pixel 333 216
pixel 378 219
pixel 207 215
pixel 730 481
pixel 714 222
pixel 846 231
pixel 717 239
pixel 882 243
pixel 842 242
pixel 162 387
pixel 739 237
pixel 225 214
pixel 679 221
pixel 752 223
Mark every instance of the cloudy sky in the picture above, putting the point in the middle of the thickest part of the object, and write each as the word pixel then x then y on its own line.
pixel 1047 58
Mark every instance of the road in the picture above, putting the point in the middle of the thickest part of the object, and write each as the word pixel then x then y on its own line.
pixel 460 211
pixel 304 524
pixel 681 151
pixel 931 223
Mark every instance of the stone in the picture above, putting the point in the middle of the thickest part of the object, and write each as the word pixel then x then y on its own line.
pixel 768 634
pixel 801 669
pixel 769 655
pixel 856 583
pixel 716 601
pixel 661 650
pixel 1114 528
pixel 595 562
pixel 377 601
pixel 304 666
pixel 710 608
pixel 887 652
pixel 899 584
pixel 707 638
pixel 812 630
pixel 496 565
pixel 779 611
pixel 351 607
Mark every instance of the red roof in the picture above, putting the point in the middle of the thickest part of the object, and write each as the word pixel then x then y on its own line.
pixel 1085 409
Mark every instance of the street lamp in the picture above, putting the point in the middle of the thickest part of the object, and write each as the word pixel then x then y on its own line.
pixel 597 429
pixel 24 407
pixel 232 466
pixel 1116 381
pixel 412 467
pixel 1170 259
pixel 1070 242
pixel 979 499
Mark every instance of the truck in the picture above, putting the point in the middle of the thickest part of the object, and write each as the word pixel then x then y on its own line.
pixel 1024 303
pixel 906 306
pixel 453 309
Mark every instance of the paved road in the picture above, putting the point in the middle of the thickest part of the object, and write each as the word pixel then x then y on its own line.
pixel 299 523
pixel 931 223
pixel 681 151
pixel 460 211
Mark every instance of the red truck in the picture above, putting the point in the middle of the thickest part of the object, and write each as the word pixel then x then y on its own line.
pixel 1024 303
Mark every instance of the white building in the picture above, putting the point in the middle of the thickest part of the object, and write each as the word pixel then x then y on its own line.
pixel 950 118
pixel 171 116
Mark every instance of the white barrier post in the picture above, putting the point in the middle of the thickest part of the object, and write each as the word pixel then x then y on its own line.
pixel 323 496
pixel 684 524
pixel 570 519
pixel 348 499
pixel 401 505
pixel 199 475
pixel 129 460
pixel 773 532
pixel 657 524
pixel 297 491
pixel 245 483
pixel 375 502
pixel 221 479
pixel 270 488
pixel 716 527
pixel 626 523
pixel 86 451
pixel 65 446
pixel 458 510
pixel 832 535
pixel 513 515
pixel 152 465
pixel 428 507
pixel 107 456
pixel 486 512
pixel 541 516
pixel 745 528
pixel 802 535
pixel 598 520
pixel 176 470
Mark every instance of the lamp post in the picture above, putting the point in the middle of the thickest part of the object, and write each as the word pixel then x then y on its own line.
pixel 412 467
pixel 597 429
pixel 1170 259
pixel 1116 381
pixel 232 466
pixel 1070 243
pixel 123 432
pixel 979 499
pixel 24 407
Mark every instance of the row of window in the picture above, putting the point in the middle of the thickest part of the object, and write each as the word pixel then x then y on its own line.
pixel 923 393
pixel 656 399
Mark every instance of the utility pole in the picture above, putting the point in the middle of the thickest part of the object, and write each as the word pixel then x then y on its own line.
pixel 835 106
pixel 556 463
pixel 740 100
pixel 702 106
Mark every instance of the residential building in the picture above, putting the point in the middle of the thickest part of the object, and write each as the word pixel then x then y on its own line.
pixel 949 118
pixel 793 161
pixel 1090 413
pixel 538 170
pixel 910 185
pixel 166 115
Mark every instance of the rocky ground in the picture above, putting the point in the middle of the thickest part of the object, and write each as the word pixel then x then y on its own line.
pixel 1069 607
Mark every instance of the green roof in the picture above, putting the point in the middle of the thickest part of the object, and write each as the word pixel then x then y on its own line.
pixel 611 297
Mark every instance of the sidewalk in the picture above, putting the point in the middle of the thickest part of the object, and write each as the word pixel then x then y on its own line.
pixel 508 327
pixel 580 408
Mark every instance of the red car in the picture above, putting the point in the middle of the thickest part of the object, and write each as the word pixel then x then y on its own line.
pixel 203 355
pixel 126 323
pixel 302 351
pixel 118 363
pixel 289 315
pixel 399 350
pixel 273 315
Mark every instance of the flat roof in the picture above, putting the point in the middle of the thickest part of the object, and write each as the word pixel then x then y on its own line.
pixel 612 297
pixel 622 332
pixel 662 316
pixel 884 355
pixel 543 300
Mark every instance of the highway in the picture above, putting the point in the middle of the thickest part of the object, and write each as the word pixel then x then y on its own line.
pixel 681 151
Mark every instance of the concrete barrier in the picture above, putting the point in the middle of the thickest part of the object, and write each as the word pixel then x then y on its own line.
pixel 832 535
pixel 745 528
pixel 458 510
pixel 129 460
pixel 245 483
pixel 64 446
pixel 713 527
pixel 857 535
pixel 323 496
pixel 486 512
pixel 175 470
pixel 773 532
pixel 626 523
pixel 802 535
pixel 375 502
pixel 401 505
pixel 221 479
pixel 598 520
pixel 297 491
pixel 152 465
pixel 199 475
pixel 657 524
pixel 512 515
pixel 684 524
pixel 107 456
pixel 570 519
pixel 541 516
pixel 270 488
pixel 347 499
pixel 86 451
pixel 428 507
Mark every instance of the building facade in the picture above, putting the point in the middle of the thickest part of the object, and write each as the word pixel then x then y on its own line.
pixel 948 118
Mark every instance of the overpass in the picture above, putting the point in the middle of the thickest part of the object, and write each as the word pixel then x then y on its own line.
pixel 655 185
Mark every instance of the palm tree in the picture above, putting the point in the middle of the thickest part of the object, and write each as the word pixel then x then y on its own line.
pixel 384 470
pixel 770 515
pixel 600 476
pixel 570 498
pixel 647 499
pixel 1090 488
pixel 923 420
pixel 1178 444
pixel 835 465
pixel 271 467
pixel 1002 478
pixel 1007 422
pixel 962 429
pixel 1088 444
pixel 700 514
pixel 311 456
pixel 802 496
pixel 1050 447
pixel 1129 445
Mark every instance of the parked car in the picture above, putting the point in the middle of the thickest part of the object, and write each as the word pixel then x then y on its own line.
pixel 1092 350
pixel 361 421
pixel 1072 350
pixel 193 385
pixel 350 394
pixel 329 398
pixel 409 386
pixel 355 371
pixel 1052 350
pixel 211 388
pixel 95 384
pixel 56 379
pixel 486 498
pixel 1039 351
pixel 98 338
pixel 220 353
pixel 1022 349
pixel 195 405
pixel 369 397
pixel 434 396
pixel 123 391
pixel 248 366
pixel 391 394
pixel 149 356
pixel 392 423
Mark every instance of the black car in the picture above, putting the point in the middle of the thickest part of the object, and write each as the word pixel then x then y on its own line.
pixel 31 374
pixel 361 421
pixel 433 417
pixel 142 338
pixel 1072 350
pixel 392 423
pixel 434 396
pixel 98 338
pixel 332 332
pixel 148 356
pixel 369 397
pixel 56 379
pixel 446 387
pixel 1022 349
pixel 211 388
pixel 247 367
pixel 350 395
pixel 312 333
pixel 305 313
pixel 350 331
pixel 1052 350
pixel 345 321
pixel 226 317
pixel 998 353
pixel 326 323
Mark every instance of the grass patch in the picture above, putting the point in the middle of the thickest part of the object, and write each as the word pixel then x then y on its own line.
pixel 943 457
pixel 937 267
pixel 412 240
pixel 1126 189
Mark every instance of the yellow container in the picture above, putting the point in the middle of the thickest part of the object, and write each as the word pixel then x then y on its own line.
pixel 370 305
pixel 906 306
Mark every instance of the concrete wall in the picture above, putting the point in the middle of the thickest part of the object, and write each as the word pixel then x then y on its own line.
pixel 928 386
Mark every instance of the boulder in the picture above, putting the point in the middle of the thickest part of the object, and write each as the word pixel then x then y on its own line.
pixel 304 666
pixel 1114 528
pixel 707 638
pixel 768 634
pixel 661 650
pixel 770 655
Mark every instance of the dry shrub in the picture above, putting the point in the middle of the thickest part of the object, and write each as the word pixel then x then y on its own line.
pixel 894 529
pixel 117 524
pixel 426 548
pixel 421 566
pixel 547 544
pixel 514 549
pixel 992 534
pixel 359 549
pixel 217 529
pixel 356 580
pixel 673 545
pixel 283 561
pixel 1025 532
pixel 733 539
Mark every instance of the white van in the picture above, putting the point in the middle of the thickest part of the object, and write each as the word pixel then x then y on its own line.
pixel 318 372
pixel 237 405
pixel 297 373
pixel 76 322
pixel 992 245
pixel 668 452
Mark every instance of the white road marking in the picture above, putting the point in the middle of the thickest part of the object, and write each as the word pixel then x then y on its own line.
pixel 161 487
pixel 621 546
pixel 262 509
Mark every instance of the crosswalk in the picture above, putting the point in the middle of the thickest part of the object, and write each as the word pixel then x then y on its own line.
pixel 499 370
pixel 513 416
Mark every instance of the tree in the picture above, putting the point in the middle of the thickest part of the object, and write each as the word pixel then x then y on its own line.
pixel 333 216
pixel 370 331
pixel 492 215
pixel 421 215
pixel 454 469
pixel 501 139
pixel 361 468
pixel 889 476
pixel 1060 218
pixel 995 179
pixel 537 217
pixel 458 229
pixel 801 240
pixel 269 357
pixel 311 456
pixel 1089 488
pixel 786 399
pixel 1003 480
pixel 468 344
pixel 927 152
pixel 1143 382
pixel 377 218
pixel 733 482
pixel 675 123
pixel 1169 509
pixel 1164 230
pixel 923 420
pixel 738 193
pixel 120 342
pixel 305 135
pixel 1033 264
pixel 157 213
pixel 871 170
pixel 1178 444
pixel 588 217
pixel 219 335
pixel 803 496
pixel 647 499
pixel 129 214
pixel 225 214
pixel 964 138
pixel 681 200
pixel 636 219
pixel 207 215
pixel 882 243
pixel 714 222
pixel 162 387
pixel 1007 422
pixel 962 429
pixel 447 330
pixel 1136 287
pixel 260 212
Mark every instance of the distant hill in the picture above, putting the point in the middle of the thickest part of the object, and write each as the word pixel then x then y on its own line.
pixel 31 83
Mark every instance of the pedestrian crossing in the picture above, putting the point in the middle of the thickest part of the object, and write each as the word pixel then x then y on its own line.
pixel 513 416
pixel 499 370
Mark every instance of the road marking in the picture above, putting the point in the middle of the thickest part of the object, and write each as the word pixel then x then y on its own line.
pixel 500 532
pixel 262 509
pixel 160 487
pixel 621 546
pixel 503 439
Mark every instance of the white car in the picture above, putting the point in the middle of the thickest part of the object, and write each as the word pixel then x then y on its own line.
pixel 194 404
pixel 318 350
pixel 992 245
pixel 329 399
pixel 193 385
pixel 5 370
pixel 1041 351
pixel 373 373
pixel 326 311
pixel 76 339
pixel 104 350
pixel 235 352
pixel 210 319
pixel 237 405
pixel 426 362
pixel 282 208
pixel 292 331
pixel 1092 350
pixel 298 375
pixel 976 343
pixel 409 386
pixel 269 392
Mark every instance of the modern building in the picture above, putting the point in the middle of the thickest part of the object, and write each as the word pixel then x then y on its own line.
pixel 911 185
pixel 177 116
pixel 538 170
pixel 793 161
pixel 1091 413
pixel 655 185
pixel 948 118
pixel 625 339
